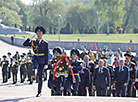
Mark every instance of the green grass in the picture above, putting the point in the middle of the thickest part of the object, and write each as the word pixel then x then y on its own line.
pixel 122 38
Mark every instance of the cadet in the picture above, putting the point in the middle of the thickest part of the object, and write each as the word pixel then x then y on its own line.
pixel 30 69
pixel 101 79
pixel 10 64
pixel 121 77
pixel 40 58
pixel 4 64
pixel 77 68
pixel 131 92
pixel 22 69
pixel 14 69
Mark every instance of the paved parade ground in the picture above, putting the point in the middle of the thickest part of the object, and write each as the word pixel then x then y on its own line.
pixel 23 92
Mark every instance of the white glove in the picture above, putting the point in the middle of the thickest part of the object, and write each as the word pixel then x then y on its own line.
pixel 45 67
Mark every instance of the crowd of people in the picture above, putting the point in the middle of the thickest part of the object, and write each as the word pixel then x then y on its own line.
pixel 101 72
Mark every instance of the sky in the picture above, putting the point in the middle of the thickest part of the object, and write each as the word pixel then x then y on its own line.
pixel 26 1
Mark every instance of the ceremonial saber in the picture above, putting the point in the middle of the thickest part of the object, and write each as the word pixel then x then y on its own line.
pixel 32 36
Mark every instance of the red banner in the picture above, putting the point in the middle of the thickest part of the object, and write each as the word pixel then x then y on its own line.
pixel 56 65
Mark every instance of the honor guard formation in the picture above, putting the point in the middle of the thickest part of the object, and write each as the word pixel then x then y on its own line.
pixel 83 73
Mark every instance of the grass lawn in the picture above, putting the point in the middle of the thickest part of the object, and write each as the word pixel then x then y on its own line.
pixel 123 38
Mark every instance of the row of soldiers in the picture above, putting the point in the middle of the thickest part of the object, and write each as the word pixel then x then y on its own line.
pixel 11 65
pixel 98 78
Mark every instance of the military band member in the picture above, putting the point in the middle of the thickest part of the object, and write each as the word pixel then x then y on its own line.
pixel 131 92
pixel 77 68
pixel 22 69
pixel 40 58
pixel 121 77
pixel 101 81
pixel 10 64
pixel 15 65
pixel 4 64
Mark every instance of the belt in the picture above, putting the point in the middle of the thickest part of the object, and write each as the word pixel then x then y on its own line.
pixel 76 73
pixel 41 54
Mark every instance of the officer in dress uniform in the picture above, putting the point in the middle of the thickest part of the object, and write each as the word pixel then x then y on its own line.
pixel 90 66
pixel 15 65
pixel 121 77
pixel 22 69
pixel 4 64
pixel 131 92
pixel 40 58
pixel 77 68
pixel 85 78
pixel 101 81
pixel 10 63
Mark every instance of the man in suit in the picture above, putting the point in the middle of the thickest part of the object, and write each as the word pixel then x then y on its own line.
pixel 40 58
pixel 121 77
pixel 101 81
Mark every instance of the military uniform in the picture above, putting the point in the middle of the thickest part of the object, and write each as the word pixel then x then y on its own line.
pixel 5 69
pixel 40 58
pixel 15 65
pixel 101 80
pixel 77 68
pixel 22 69
pixel 10 64
pixel 121 76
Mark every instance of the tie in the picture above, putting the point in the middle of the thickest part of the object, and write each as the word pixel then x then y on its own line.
pixel 37 42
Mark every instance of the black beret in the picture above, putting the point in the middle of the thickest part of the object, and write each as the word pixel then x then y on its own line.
pixel 57 49
pixel 4 56
pixel 40 28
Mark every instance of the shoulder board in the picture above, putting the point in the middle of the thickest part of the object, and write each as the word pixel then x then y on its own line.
pixel 44 41
pixel 132 63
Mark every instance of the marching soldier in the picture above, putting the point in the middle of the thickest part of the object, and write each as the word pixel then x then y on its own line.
pixel 14 69
pixel 40 58
pixel 131 92
pixel 4 64
pixel 90 66
pixel 10 64
pixel 22 69
pixel 121 77
pixel 30 69
pixel 77 68
pixel 101 81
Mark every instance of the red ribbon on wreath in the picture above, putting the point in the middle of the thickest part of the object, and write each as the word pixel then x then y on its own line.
pixel 56 65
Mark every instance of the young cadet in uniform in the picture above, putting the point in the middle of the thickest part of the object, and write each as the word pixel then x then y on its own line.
pixel 30 69
pixel 131 92
pixel 77 68
pixel 101 81
pixel 85 78
pixel 121 77
pixel 10 63
pixel 40 58
pixel 90 66
pixel 4 64
pixel 22 69
pixel 15 65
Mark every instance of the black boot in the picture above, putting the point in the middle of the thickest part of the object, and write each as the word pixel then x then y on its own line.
pixel 39 89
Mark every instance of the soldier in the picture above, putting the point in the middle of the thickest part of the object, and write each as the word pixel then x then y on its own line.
pixel 4 64
pixel 17 56
pixel 121 77
pixel 10 64
pixel 101 81
pixel 14 69
pixel 90 66
pixel 131 92
pixel 22 69
pixel 30 69
pixel 40 58
pixel 77 68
